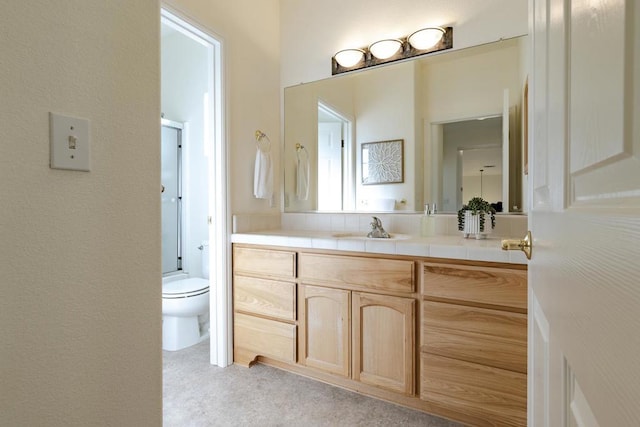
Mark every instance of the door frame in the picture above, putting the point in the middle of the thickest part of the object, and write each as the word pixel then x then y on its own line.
pixel 220 350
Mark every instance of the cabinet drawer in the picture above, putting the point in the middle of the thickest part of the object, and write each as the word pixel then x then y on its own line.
pixel 495 395
pixel 266 297
pixel 357 272
pixel 480 285
pixel 264 262
pixel 490 337
pixel 265 337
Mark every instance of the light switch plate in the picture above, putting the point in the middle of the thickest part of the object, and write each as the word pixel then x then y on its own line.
pixel 70 145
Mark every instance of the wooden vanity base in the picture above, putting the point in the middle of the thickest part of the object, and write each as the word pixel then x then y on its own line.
pixel 447 337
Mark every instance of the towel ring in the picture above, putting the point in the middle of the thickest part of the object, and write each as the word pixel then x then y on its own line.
pixel 264 146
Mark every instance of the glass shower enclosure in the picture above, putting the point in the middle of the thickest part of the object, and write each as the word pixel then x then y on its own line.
pixel 171 177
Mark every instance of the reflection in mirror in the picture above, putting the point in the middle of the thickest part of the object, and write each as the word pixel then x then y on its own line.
pixel 334 189
pixel 417 101
pixel 472 164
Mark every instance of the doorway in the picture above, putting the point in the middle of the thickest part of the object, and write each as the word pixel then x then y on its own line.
pixel 471 162
pixel 335 160
pixel 192 95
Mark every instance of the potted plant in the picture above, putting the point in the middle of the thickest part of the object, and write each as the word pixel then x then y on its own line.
pixel 472 218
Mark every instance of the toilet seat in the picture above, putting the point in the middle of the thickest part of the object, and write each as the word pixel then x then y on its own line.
pixel 185 288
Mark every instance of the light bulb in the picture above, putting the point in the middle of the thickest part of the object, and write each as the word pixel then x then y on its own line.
pixel 426 38
pixel 349 57
pixel 384 49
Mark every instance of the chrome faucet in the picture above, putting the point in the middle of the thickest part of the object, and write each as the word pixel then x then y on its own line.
pixel 377 231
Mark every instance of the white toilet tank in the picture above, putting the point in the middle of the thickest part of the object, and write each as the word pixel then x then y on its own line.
pixel 205 258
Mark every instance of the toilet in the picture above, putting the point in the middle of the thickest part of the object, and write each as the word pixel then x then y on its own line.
pixel 185 307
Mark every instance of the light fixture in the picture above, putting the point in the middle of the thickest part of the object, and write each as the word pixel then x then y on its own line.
pixel 349 57
pixel 421 42
pixel 426 38
pixel 384 49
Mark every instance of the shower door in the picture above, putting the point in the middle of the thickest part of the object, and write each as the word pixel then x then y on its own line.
pixel 171 196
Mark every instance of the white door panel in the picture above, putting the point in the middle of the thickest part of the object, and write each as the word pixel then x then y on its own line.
pixel 330 178
pixel 538 364
pixel 605 147
pixel 585 214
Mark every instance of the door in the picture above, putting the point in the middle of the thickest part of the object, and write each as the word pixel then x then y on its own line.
pixel 324 329
pixel 383 341
pixel 584 295
pixel 330 179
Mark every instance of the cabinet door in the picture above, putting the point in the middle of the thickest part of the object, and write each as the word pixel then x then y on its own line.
pixel 384 341
pixel 324 329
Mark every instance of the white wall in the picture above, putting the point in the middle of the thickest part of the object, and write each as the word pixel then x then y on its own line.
pixel 80 311
pixel 313 31
pixel 184 83
pixel 250 33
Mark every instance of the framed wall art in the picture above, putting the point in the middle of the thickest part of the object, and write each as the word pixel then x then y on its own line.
pixel 383 162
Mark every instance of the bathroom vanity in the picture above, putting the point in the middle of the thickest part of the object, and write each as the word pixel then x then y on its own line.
pixel 443 335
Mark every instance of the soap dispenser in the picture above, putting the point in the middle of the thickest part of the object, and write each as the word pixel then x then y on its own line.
pixel 428 222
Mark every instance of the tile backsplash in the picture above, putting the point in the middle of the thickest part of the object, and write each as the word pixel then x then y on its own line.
pixel 512 226
pixel 247 223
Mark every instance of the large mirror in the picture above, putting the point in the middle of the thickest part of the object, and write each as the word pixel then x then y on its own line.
pixel 458 115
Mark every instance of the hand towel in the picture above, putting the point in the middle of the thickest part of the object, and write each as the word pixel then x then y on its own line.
pixel 302 175
pixel 263 174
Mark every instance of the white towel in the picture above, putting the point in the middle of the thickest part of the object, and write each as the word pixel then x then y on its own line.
pixel 263 174
pixel 302 176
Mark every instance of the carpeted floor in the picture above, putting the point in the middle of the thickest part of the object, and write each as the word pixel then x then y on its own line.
pixel 199 394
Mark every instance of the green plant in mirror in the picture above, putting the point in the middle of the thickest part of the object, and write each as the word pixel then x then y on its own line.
pixel 477 206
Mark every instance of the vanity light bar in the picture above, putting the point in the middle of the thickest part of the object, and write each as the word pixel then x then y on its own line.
pixel 421 42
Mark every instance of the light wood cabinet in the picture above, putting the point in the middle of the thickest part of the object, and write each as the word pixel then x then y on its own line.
pixel 264 304
pixel 490 337
pixel 454 346
pixel 264 262
pixel 324 333
pixel 269 298
pixel 367 274
pixel 367 337
pixel 473 352
pixel 383 341
pixel 485 286
pixel 490 396
pixel 381 326
pixel 258 336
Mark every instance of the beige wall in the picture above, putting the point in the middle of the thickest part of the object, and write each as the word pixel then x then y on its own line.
pixel 80 342
pixel 385 101
pixel 80 325
pixel 250 33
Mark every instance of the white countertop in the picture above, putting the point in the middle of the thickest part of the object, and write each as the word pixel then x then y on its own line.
pixel 455 247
